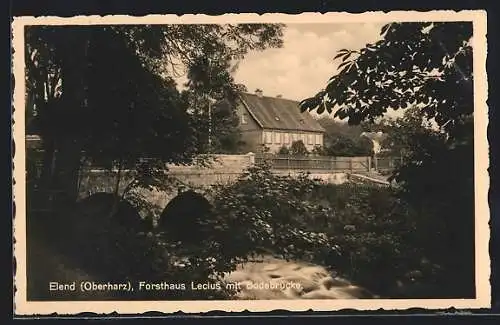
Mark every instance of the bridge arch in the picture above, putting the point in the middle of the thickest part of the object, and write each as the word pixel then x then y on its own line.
pixel 173 197
pixel 181 218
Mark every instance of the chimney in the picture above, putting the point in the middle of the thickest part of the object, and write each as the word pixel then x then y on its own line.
pixel 279 96
pixel 258 92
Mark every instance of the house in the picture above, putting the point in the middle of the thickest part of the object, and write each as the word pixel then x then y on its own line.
pixel 274 122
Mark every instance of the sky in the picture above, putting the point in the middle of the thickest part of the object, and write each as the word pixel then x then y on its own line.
pixel 304 64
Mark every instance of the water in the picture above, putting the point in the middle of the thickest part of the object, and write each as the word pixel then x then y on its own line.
pixel 273 278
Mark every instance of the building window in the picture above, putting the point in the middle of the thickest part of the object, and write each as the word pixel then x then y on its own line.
pixel 277 137
pixel 318 140
pixel 310 139
pixel 286 138
pixel 268 137
pixel 244 119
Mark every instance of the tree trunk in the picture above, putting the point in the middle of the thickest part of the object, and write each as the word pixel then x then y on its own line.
pixel 47 173
pixel 116 190
pixel 68 129
pixel 67 167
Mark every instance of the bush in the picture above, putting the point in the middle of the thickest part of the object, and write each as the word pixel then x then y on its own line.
pixel 263 212
pixel 284 150
pixel 298 148
pixel 319 150
pixel 374 231
pixel 363 231
pixel 343 146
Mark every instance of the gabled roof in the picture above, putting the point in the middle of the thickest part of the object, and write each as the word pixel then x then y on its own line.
pixel 279 113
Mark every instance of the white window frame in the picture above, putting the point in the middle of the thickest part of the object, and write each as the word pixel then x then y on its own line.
pixel 310 138
pixel 277 137
pixel 286 138
pixel 318 139
pixel 268 137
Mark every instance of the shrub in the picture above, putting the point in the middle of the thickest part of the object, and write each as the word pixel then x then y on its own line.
pixel 298 148
pixel 374 230
pixel 319 150
pixel 263 212
pixel 284 150
pixel 363 231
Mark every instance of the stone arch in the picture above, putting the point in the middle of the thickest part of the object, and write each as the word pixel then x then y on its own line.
pixel 183 213
pixel 96 210
pixel 151 202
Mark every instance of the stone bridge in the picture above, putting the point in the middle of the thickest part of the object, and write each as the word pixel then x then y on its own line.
pixel 222 169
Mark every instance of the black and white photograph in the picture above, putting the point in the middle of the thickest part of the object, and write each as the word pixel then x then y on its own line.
pixel 295 162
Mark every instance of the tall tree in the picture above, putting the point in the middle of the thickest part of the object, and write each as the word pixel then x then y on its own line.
pixel 211 93
pixel 414 63
pixel 428 65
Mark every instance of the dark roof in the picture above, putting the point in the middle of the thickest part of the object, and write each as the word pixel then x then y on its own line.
pixel 279 113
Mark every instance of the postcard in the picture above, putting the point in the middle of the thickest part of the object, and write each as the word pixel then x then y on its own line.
pixel 202 163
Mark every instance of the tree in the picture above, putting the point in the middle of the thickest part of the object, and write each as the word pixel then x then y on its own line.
pixel 346 147
pixel 342 139
pixel 415 63
pixel 428 65
pixel 409 136
pixel 298 148
pixel 217 127
pixel 107 90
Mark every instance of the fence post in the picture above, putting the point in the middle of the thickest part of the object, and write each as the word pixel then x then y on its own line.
pixel 350 164
pixel 375 159
pixel 369 163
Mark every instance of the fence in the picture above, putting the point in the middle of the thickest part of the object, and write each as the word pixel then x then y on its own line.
pixel 324 163
pixel 385 164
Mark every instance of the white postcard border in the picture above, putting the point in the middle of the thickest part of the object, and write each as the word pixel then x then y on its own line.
pixel 24 307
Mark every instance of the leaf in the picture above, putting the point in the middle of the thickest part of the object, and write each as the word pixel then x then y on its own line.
pixel 346 69
pixel 384 29
pixel 321 109
pixel 346 56
pixel 343 64
pixel 338 56
pixel 341 114
pixel 304 105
